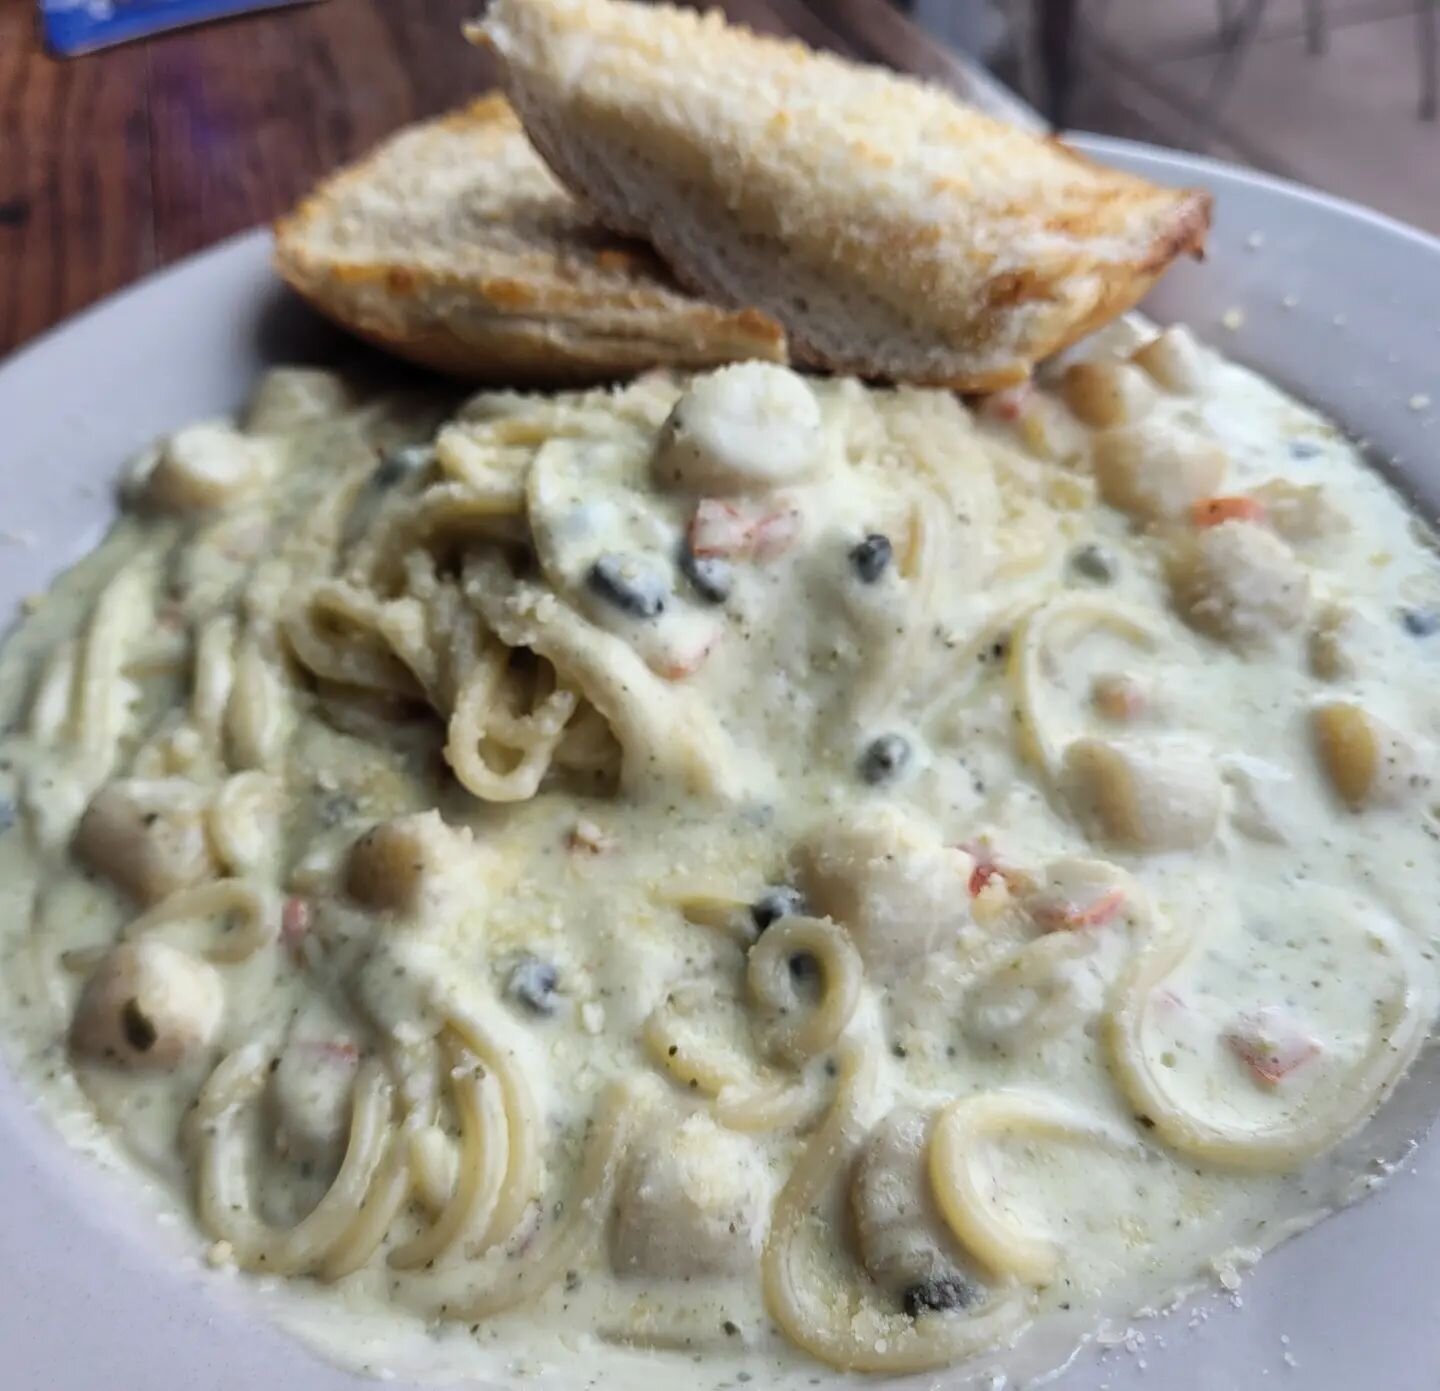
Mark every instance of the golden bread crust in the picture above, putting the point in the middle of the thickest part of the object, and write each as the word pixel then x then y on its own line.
pixel 894 231
pixel 489 270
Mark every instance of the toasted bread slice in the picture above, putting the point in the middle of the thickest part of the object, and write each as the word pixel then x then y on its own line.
pixel 894 231
pixel 452 245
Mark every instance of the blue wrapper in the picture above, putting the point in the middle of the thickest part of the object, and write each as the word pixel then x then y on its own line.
pixel 81 26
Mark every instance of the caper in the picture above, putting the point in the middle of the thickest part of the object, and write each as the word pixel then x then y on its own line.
pixel 711 576
pixel 401 463
pixel 534 984
pixel 884 759
pixel 1094 563
pixel 939 1294
pixel 783 901
pixel 139 1028
pixel 871 557
pixel 1421 623
pixel 631 584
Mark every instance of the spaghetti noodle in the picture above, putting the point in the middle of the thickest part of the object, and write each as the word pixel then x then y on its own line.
pixel 576 864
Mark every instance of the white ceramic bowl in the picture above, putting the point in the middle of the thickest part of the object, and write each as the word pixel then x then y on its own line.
pixel 1337 304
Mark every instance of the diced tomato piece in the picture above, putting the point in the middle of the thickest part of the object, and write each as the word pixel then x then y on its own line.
pixel 1118 697
pixel 295 919
pixel 681 667
pixel 718 528
pixel 339 1052
pixel 677 665
pixel 1008 404
pixel 1211 511
pixel 775 533
pixel 723 529
pixel 1069 915
pixel 987 867
pixel 980 876
pixel 1272 1043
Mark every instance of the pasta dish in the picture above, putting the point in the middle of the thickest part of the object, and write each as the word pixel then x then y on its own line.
pixel 746 866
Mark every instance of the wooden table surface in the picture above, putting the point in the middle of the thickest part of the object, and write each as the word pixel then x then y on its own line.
pixel 114 164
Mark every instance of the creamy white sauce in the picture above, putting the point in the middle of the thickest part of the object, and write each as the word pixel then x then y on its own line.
pixel 926 738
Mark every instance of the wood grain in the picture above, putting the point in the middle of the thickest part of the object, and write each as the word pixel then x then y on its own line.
pixel 240 132
pixel 76 219
pixel 117 163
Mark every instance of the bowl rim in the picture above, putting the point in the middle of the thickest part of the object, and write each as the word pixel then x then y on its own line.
pixel 250 247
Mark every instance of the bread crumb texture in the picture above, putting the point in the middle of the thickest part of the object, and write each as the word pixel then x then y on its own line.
pixel 892 229
pixel 454 245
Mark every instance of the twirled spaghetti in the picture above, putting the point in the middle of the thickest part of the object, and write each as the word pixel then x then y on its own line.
pixel 627 864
